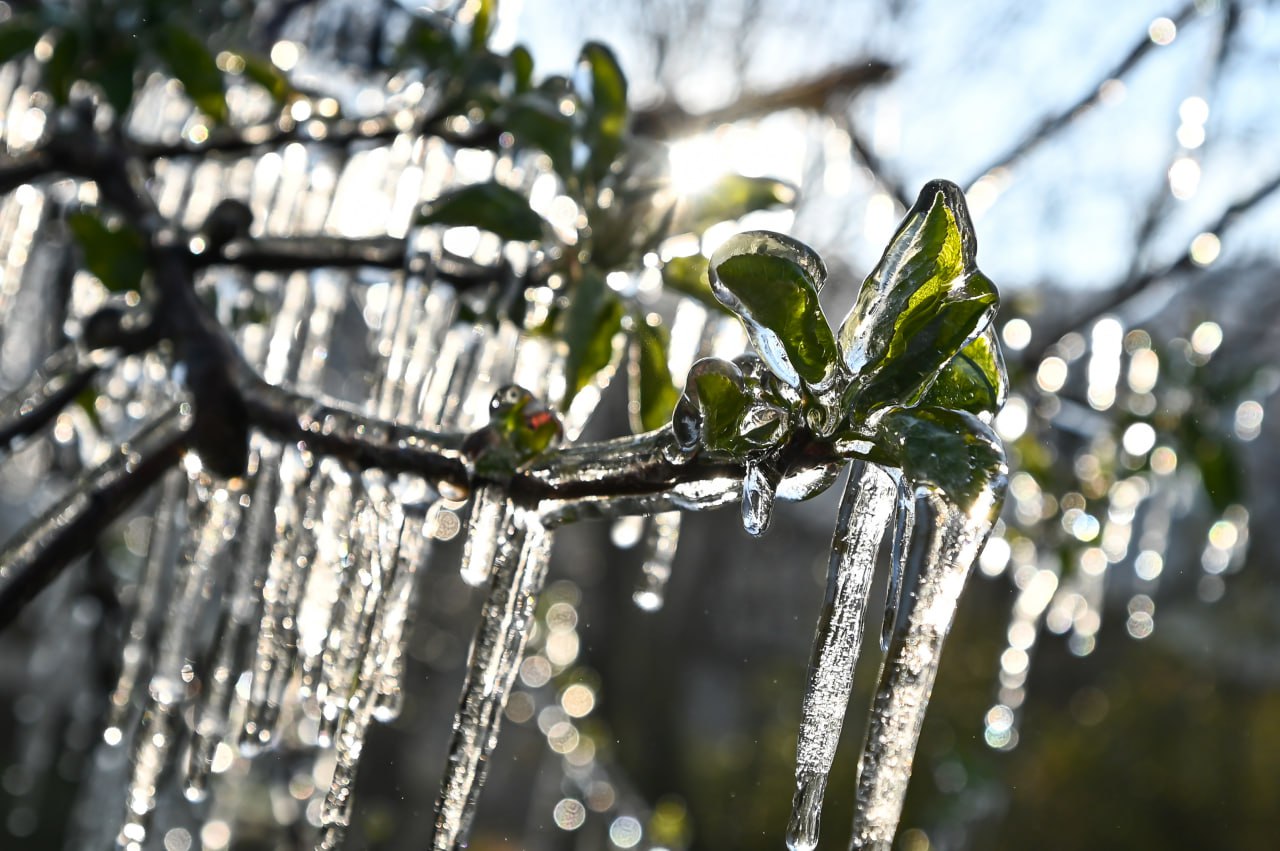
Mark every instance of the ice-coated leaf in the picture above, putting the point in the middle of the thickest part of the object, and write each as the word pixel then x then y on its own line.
pixel 653 395
pixel 489 206
pixel 728 413
pixel 688 276
pixel 535 121
pixel 193 65
pixel 116 76
pixel 952 451
pixel 482 24
pixel 606 115
pixel 772 283
pixel 266 74
pixel 974 381
pixel 732 197
pixel 432 42
pixel 593 318
pixel 117 254
pixel 920 306
pixel 63 66
pixel 522 68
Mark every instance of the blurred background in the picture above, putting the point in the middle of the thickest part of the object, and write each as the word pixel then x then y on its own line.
pixel 1112 681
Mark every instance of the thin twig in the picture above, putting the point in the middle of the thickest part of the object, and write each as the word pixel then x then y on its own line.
pixel 1134 286
pixel 1053 123
pixel 58 380
pixel 667 120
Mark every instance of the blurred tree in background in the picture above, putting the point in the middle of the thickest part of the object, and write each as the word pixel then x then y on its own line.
pixel 1112 685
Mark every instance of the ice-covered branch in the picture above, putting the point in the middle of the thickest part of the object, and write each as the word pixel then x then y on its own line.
pixel 55 383
pixel 39 552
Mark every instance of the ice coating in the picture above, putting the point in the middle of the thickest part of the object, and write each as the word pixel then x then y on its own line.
pixel 864 515
pixel 945 544
pixel 662 534
pixel 497 650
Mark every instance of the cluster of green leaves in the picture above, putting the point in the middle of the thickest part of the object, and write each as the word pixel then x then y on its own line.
pixel 113 44
pixel 617 180
pixel 914 368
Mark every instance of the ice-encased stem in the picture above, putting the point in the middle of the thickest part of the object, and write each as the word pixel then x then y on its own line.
pixel 945 544
pixel 496 652
pixel 864 515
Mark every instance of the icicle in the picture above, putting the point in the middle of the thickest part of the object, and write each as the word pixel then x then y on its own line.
pixel 238 617
pixel 148 598
pixel 357 603
pixel 864 516
pixel 259 717
pixel 211 524
pixel 329 582
pixel 399 609
pixel 489 515
pixel 382 525
pixel 903 523
pixel 945 544
pixel 496 652
pixel 759 487
pixel 661 538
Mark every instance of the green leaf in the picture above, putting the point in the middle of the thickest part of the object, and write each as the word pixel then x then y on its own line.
pixel 536 122
pixel 18 37
pixel 593 318
pixel 117 254
pixel 688 276
pixel 1219 471
pixel 606 115
pixel 116 77
pixel 482 24
pixel 772 283
pixel 61 70
pixel 653 395
pixel 265 73
pixel 975 380
pixel 953 451
pixel 732 197
pixel 522 68
pixel 920 306
pixel 193 65
pixel 431 42
pixel 489 206
pixel 727 413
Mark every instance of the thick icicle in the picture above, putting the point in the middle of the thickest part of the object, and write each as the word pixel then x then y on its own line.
pixel 864 516
pixel 661 538
pixel 381 525
pixel 211 522
pixel 488 517
pixel 213 718
pixel 945 545
pixel 496 652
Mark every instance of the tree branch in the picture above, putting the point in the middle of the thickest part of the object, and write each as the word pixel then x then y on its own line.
pixel 64 373
pixel 1053 123
pixel 42 550
pixel 668 119
pixel 1121 294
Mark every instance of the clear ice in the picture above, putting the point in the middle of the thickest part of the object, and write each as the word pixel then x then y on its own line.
pixel 864 515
